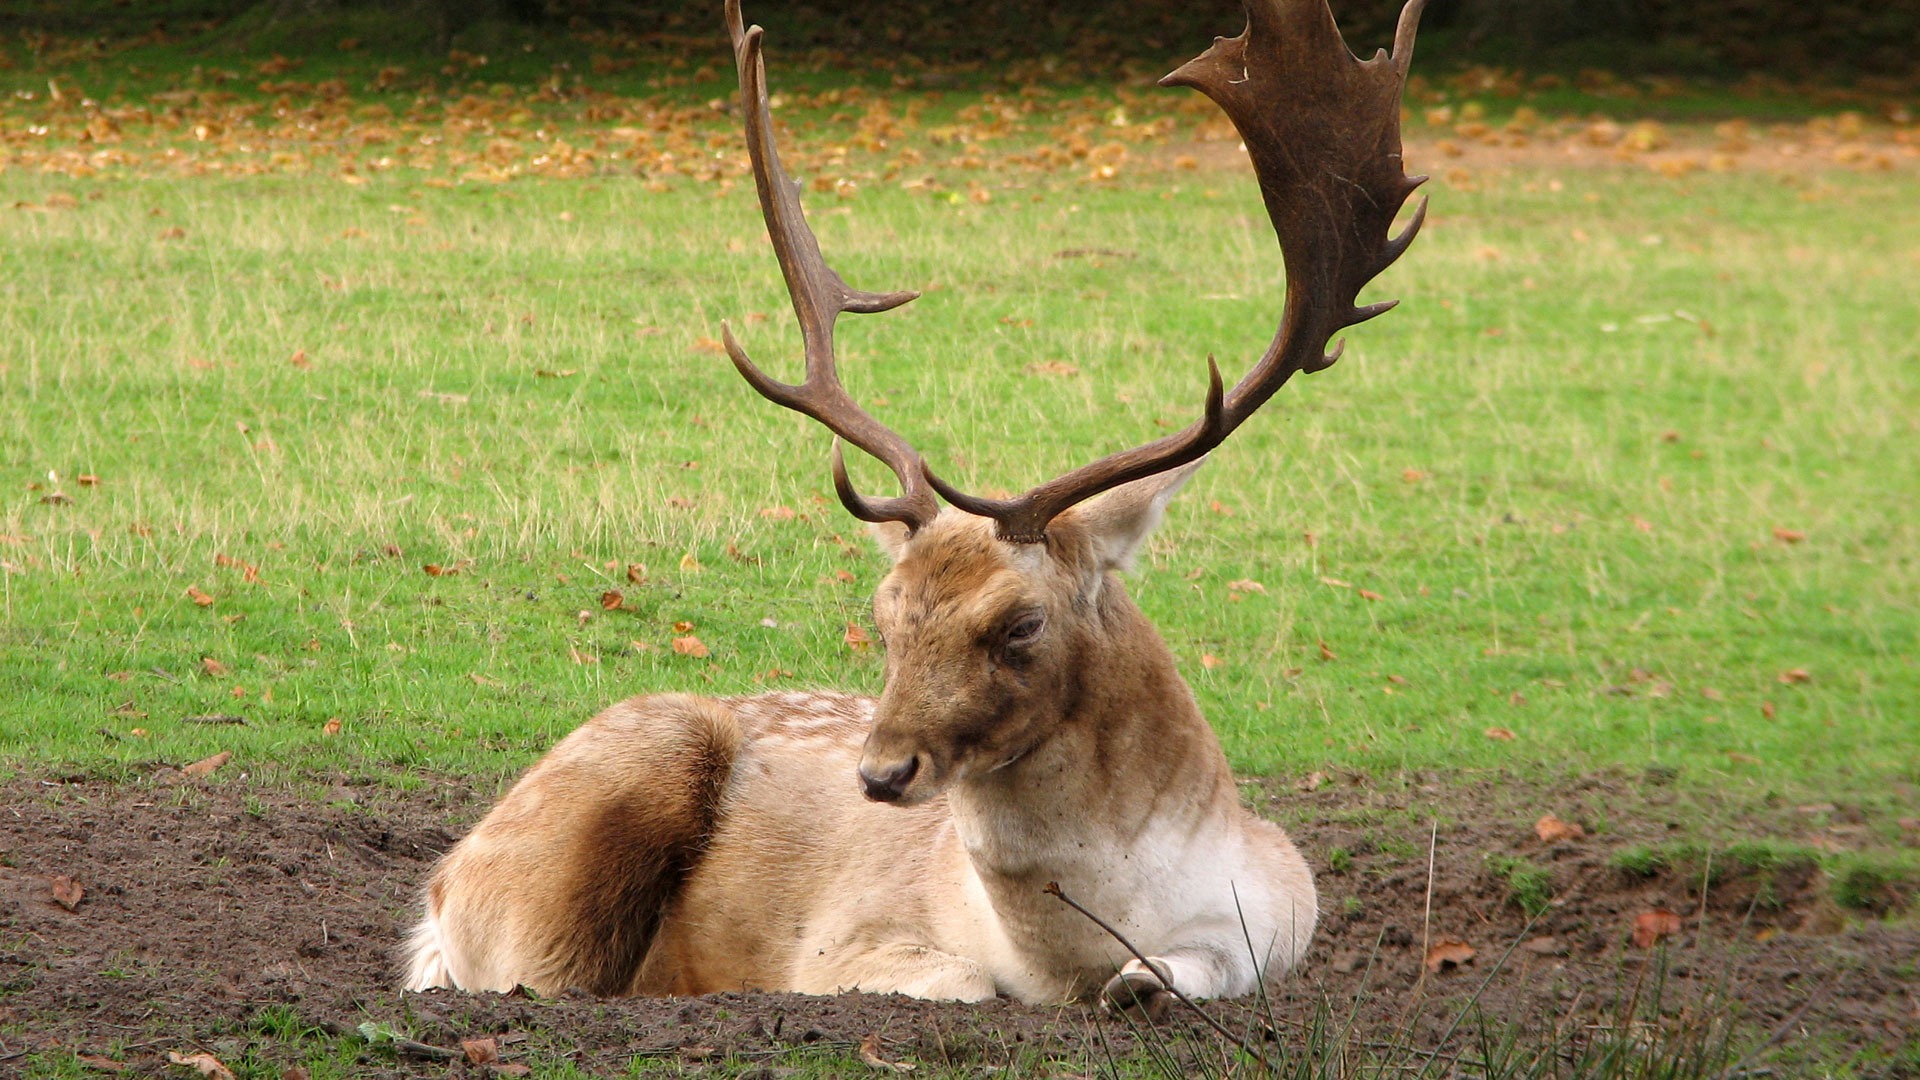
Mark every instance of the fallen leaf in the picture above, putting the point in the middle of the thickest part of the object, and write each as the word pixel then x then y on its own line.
pixel 1246 585
pixel 1498 734
pixel 206 1064
pixel 1642 524
pixel 67 892
pixel 436 570
pixel 1209 661
pixel 777 513
pixel 194 594
pixel 1448 953
pixel 1651 926
pixel 588 658
pixel 1767 710
pixel 546 373
pixel 300 359
pixel 331 727
pixel 683 627
pixel 611 600
pixel 1326 652
pixel 205 766
pixel 636 573
pixel 1551 830
pixel 709 345
pixel 1795 675
pixel 1788 536
pixel 215 668
pixel 1055 368
pixel 1312 781
pixel 481 1051
pixel 856 638
pixel 1336 583
pixel 1412 476
pixel 1369 594
pixel 87 480
pixel 689 646
pixel 870 1053
pixel 689 564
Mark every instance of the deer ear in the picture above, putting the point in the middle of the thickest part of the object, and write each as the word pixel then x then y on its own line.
pixel 1120 521
pixel 890 536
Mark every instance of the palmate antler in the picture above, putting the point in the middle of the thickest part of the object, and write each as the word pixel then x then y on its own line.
pixel 1323 130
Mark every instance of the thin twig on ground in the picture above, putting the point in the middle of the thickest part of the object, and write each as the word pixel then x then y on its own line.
pixel 1053 889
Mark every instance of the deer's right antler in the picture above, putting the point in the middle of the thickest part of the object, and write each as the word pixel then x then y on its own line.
pixel 819 296
pixel 1323 130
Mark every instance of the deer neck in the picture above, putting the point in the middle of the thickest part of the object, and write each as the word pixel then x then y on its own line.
pixel 1130 758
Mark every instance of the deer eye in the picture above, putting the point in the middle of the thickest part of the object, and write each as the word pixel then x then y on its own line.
pixel 1026 628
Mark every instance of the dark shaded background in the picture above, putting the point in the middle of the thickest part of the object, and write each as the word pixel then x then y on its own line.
pixel 1727 37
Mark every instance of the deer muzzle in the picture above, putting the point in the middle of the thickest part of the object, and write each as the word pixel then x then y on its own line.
pixel 888 783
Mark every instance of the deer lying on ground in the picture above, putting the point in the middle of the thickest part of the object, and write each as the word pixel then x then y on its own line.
pixel 1032 728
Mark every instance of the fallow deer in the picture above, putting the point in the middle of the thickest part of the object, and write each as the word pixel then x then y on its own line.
pixel 1032 727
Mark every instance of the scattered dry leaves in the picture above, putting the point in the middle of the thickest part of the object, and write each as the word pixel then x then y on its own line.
pixel 1447 954
pixel 67 892
pixel 1651 926
pixel 1552 830
pixel 205 766
pixel 870 1053
pixel 204 1064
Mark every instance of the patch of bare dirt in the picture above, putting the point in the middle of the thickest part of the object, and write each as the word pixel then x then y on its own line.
pixel 229 918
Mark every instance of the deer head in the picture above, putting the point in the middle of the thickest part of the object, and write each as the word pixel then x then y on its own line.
pixel 996 613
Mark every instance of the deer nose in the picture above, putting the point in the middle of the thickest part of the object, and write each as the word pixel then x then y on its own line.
pixel 889 784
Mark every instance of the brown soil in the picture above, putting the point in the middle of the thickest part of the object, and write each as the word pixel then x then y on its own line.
pixel 232 917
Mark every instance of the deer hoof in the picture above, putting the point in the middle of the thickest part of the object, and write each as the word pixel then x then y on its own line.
pixel 1138 994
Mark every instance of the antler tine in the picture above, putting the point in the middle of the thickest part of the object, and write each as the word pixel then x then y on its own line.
pixel 819 296
pixel 1323 130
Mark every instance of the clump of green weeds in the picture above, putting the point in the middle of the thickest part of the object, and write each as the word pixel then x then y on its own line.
pixel 1529 885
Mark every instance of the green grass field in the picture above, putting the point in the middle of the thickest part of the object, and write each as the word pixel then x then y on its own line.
pixel 305 419
pixel 1565 466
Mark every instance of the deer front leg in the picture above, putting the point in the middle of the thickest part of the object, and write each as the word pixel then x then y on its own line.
pixel 1200 971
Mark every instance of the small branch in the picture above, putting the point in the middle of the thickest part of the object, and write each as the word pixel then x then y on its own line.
pixel 401 1045
pixel 1053 889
